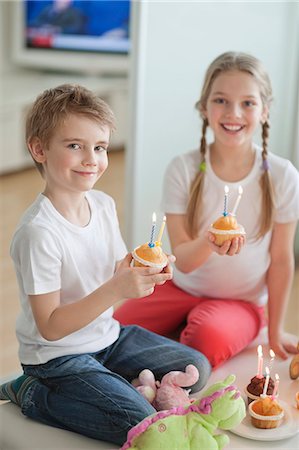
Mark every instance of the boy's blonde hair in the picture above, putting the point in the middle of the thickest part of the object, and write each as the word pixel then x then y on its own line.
pixel 54 105
pixel 224 63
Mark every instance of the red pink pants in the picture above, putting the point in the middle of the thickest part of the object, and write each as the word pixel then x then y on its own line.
pixel 218 328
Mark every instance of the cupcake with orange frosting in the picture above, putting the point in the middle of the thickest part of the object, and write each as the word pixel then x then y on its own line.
pixel 149 256
pixel 266 413
pixel 225 228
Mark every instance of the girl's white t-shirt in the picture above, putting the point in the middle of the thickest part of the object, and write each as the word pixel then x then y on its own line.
pixel 242 276
pixel 51 254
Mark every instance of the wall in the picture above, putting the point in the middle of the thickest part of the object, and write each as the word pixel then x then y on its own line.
pixel 173 44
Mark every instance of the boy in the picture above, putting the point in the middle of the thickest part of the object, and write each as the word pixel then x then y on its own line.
pixel 72 267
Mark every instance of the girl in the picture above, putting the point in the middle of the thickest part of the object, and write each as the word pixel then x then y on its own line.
pixel 218 295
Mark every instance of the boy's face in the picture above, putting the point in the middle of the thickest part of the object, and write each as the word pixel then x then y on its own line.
pixel 76 155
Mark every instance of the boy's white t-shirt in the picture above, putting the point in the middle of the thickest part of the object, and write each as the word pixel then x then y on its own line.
pixel 51 254
pixel 242 276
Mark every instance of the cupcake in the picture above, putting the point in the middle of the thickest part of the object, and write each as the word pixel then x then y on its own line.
pixel 294 365
pixel 226 228
pixel 147 256
pixel 265 413
pixel 255 388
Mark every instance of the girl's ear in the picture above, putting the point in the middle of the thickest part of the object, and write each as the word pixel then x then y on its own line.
pixel 37 150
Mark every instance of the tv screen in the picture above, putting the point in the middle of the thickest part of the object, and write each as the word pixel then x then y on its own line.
pixel 90 37
pixel 94 26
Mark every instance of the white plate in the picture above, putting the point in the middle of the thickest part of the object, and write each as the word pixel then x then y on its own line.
pixel 289 426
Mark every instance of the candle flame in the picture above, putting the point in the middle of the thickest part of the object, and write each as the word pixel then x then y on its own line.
pixel 226 189
pixel 240 190
pixel 267 370
pixel 272 353
pixel 260 350
pixel 154 217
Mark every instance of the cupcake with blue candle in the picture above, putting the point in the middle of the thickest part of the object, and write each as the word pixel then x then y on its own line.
pixel 226 226
pixel 151 253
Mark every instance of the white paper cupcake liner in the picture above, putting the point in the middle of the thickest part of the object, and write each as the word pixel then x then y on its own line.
pixel 240 230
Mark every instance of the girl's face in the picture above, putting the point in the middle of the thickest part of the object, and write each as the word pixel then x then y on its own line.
pixel 76 156
pixel 234 109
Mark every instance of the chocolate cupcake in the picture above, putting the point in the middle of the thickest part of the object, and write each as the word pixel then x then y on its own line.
pixel 256 386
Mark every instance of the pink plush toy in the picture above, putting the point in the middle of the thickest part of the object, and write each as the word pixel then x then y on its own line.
pixel 168 393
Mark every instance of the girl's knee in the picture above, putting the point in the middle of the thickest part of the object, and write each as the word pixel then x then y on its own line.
pixel 210 343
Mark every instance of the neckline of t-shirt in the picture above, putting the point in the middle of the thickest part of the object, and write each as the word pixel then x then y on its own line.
pixel 75 228
pixel 253 172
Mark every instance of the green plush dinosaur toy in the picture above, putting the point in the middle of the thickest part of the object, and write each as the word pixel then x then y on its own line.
pixel 192 427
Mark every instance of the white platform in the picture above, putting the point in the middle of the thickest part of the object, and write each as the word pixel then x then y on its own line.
pixel 21 433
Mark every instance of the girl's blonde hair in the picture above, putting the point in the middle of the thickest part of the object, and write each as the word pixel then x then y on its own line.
pixel 54 105
pixel 224 63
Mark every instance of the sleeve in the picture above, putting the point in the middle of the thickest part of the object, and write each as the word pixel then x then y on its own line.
pixel 176 187
pixel 38 259
pixel 287 195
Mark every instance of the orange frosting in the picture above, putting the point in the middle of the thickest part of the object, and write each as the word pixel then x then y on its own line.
pixel 267 407
pixel 152 254
pixel 226 223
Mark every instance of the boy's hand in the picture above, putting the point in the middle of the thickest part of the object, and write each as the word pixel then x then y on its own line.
pixel 230 248
pixel 137 282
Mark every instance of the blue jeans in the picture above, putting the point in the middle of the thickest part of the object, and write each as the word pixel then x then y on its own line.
pixel 91 394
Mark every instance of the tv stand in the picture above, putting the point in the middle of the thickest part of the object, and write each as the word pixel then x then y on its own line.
pixel 21 87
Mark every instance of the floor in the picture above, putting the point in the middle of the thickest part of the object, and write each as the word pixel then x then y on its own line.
pixel 17 192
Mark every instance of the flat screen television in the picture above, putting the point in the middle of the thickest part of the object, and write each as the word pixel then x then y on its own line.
pixel 92 37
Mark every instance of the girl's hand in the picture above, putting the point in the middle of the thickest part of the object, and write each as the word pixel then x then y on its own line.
pixel 137 282
pixel 168 269
pixel 230 248
pixel 284 344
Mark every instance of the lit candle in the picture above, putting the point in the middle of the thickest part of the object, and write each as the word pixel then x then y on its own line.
pixel 237 201
pixel 264 394
pixel 259 362
pixel 151 242
pixel 276 384
pixel 226 191
pixel 159 239
pixel 272 356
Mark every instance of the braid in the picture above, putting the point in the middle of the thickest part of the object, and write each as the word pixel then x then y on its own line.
pixel 196 188
pixel 267 206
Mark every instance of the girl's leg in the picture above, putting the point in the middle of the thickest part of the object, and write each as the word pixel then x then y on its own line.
pixel 162 312
pixel 222 328
pixel 81 395
pixel 137 349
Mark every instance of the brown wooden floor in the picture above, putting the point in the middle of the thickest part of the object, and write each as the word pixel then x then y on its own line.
pixel 17 192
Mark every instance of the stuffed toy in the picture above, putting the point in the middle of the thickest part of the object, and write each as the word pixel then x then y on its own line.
pixel 194 426
pixel 167 393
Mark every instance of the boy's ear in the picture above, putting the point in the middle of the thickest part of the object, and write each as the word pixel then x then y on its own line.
pixel 36 149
